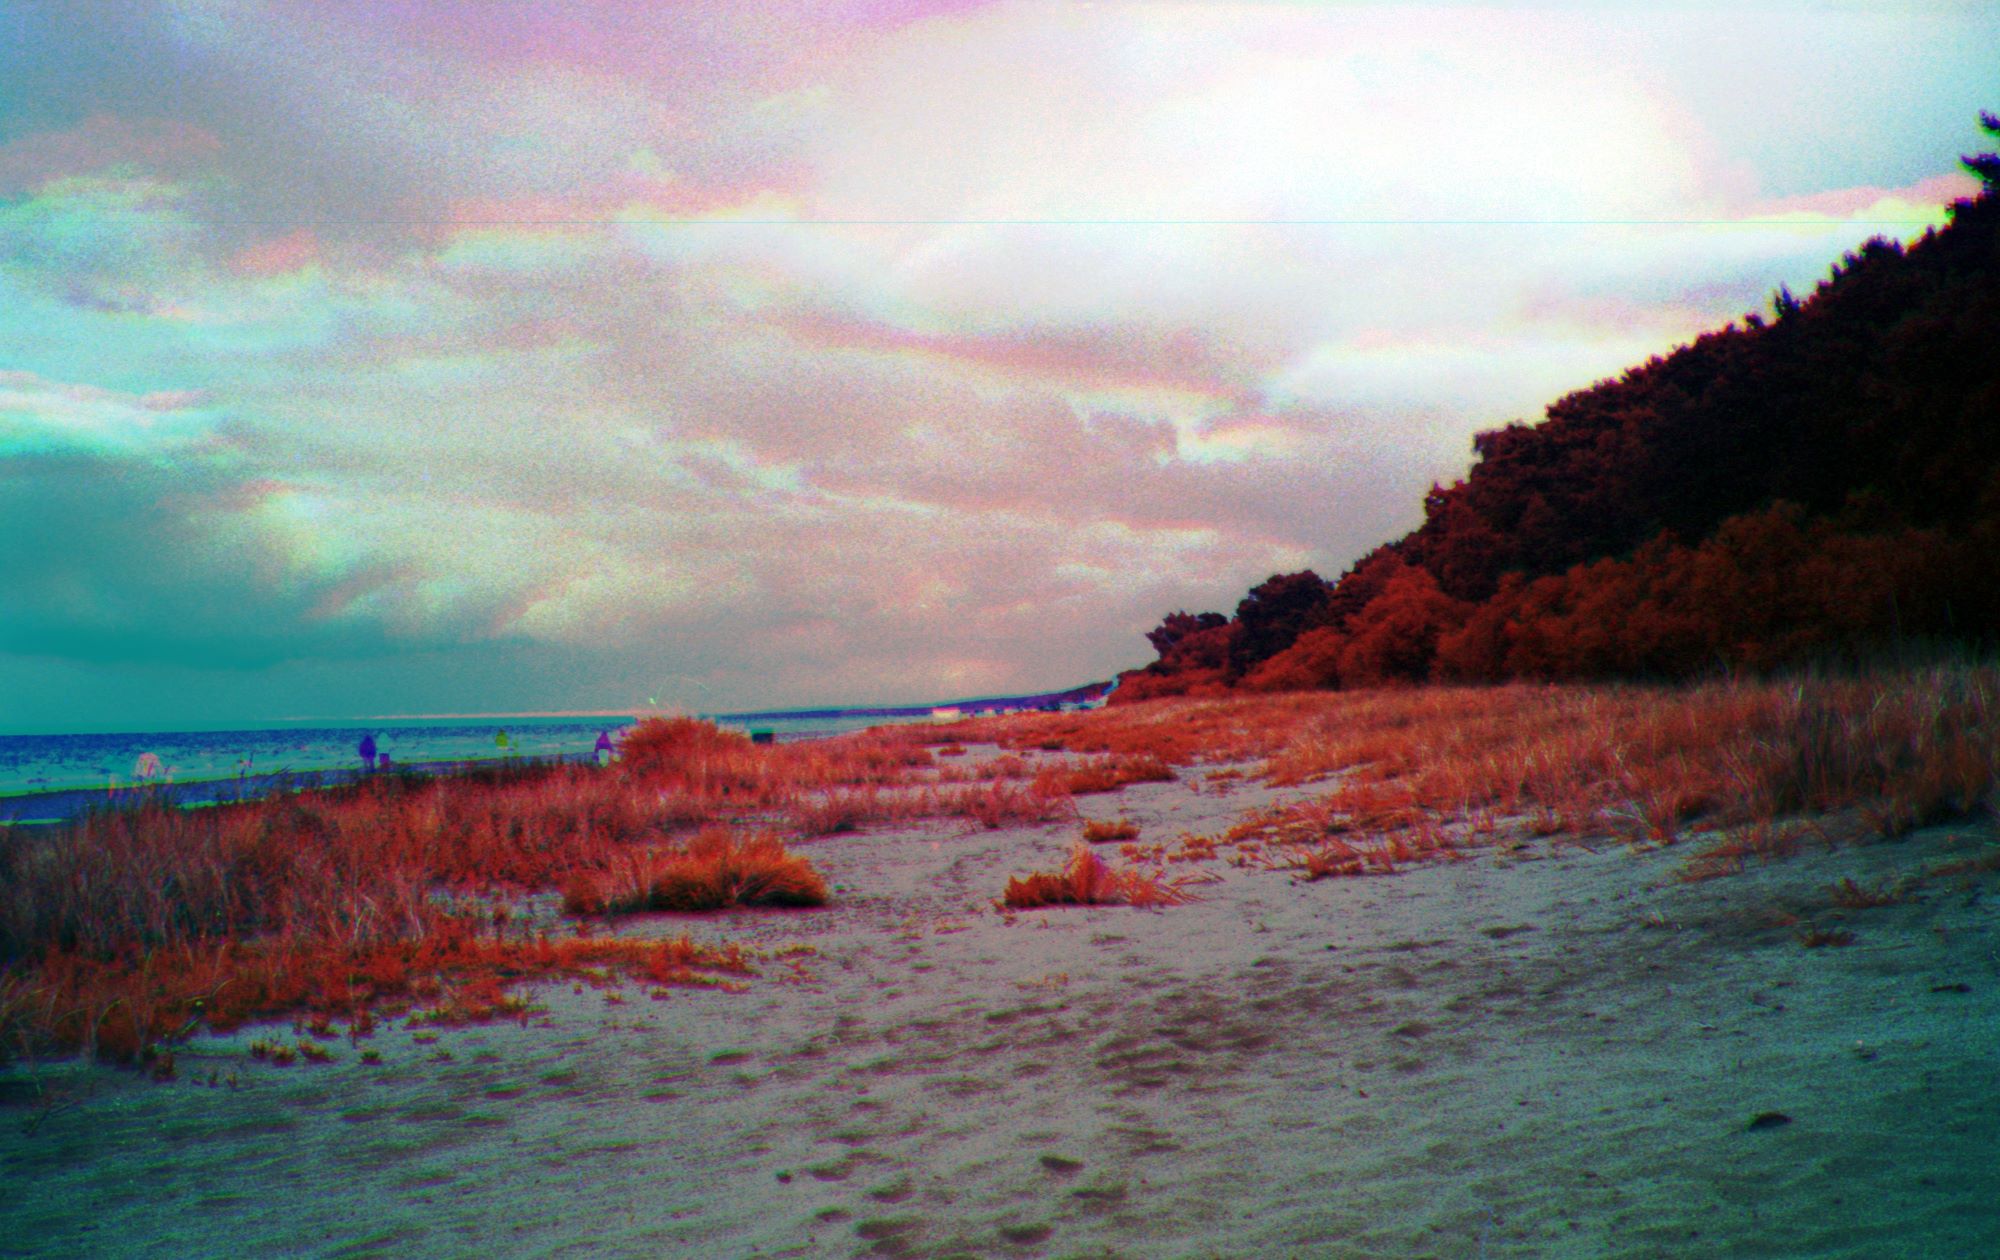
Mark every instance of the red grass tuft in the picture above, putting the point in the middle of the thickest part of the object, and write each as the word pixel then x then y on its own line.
pixel 717 870
pixel 1100 831
pixel 1852 896
pixel 1087 880
pixel 1004 802
pixel 1112 774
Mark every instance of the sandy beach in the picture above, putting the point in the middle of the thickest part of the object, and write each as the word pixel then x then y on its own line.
pixel 1544 1049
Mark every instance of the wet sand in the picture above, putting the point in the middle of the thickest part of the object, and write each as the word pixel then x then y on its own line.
pixel 1545 1049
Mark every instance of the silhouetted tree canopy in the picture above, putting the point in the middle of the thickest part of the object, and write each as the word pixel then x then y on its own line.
pixel 1824 483
pixel 1179 625
pixel 1272 615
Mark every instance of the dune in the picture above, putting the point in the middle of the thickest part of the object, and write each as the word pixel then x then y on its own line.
pixel 1546 1048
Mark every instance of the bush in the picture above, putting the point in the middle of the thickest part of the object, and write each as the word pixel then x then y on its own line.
pixel 717 870
pixel 1086 880
pixel 1100 831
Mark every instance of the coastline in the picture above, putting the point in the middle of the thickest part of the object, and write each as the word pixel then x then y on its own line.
pixel 26 809
pixel 29 806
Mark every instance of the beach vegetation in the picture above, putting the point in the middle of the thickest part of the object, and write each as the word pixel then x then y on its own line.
pixel 1112 774
pixel 1795 489
pixel 1007 802
pixel 135 926
pixel 1849 895
pixel 1813 937
pixel 1088 880
pixel 1738 769
pixel 1105 830
pixel 717 869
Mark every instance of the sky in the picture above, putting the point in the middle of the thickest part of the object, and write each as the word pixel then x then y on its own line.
pixel 372 357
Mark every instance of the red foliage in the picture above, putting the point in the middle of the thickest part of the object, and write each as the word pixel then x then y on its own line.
pixel 1310 663
pixel 1394 638
pixel 1824 486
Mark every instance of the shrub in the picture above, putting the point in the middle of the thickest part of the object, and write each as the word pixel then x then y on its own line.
pixel 690 755
pixel 1087 880
pixel 717 870
pixel 1099 831
pixel 1045 798
pixel 1114 773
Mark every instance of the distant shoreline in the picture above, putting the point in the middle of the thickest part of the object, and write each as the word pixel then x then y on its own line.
pixel 71 803
pixel 1088 693
pixel 53 805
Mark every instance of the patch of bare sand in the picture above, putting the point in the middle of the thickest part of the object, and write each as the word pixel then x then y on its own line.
pixel 1545 1052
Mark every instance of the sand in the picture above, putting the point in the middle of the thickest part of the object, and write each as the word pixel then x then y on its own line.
pixel 1546 1049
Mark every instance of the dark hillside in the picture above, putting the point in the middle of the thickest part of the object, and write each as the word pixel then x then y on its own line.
pixel 1820 483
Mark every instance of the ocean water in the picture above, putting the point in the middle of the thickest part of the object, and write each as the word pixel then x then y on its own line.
pixel 50 777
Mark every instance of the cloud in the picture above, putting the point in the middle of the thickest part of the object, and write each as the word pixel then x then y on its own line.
pixel 869 351
pixel 103 143
pixel 42 418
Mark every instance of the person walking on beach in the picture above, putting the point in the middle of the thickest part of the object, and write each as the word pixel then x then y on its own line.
pixel 367 750
pixel 603 749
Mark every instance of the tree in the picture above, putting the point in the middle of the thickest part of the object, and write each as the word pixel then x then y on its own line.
pixel 1311 663
pixel 1395 638
pixel 1986 166
pixel 1272 615
pixel 1818 486
pixel 1178 626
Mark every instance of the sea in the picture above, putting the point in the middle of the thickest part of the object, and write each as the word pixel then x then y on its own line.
pixel 51 778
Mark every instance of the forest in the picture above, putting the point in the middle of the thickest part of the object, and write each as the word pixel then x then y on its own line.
pixel 1819 486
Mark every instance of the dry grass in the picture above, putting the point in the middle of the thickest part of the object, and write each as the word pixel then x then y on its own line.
pixel 133 927
pixel 1178 732
pixel 1849 895
pixel 1087 880
pixel 1815 937
pixel 1907 749
pixel 1112 774
pixel 120 931
pixel 1986 863
pixel 835 811
pixel 128 929
pixel 1748 766
pixel 1765 839
pixel 1006 801
pixel 1104 830
pixel 127 1008
pixel 716 870
pixel 1734 760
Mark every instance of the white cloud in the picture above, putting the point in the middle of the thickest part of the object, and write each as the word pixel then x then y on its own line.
pixel 43 417
pixel 465 377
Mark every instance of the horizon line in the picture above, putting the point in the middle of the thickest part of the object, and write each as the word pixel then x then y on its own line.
pixel 1778 221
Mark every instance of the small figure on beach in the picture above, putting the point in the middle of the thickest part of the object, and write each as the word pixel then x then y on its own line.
pixel 501 741
pixel 603 749
pixel 367 750
pixel 147 768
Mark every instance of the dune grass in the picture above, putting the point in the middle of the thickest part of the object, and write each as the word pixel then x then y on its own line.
pixel 133 927
pixel 136 926
pixel 1748 768
pixel 1106 830
pixel 1110 774
pixel 718 869
pixel 1088 880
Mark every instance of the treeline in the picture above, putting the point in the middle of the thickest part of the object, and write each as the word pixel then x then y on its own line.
pixel 1819 485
